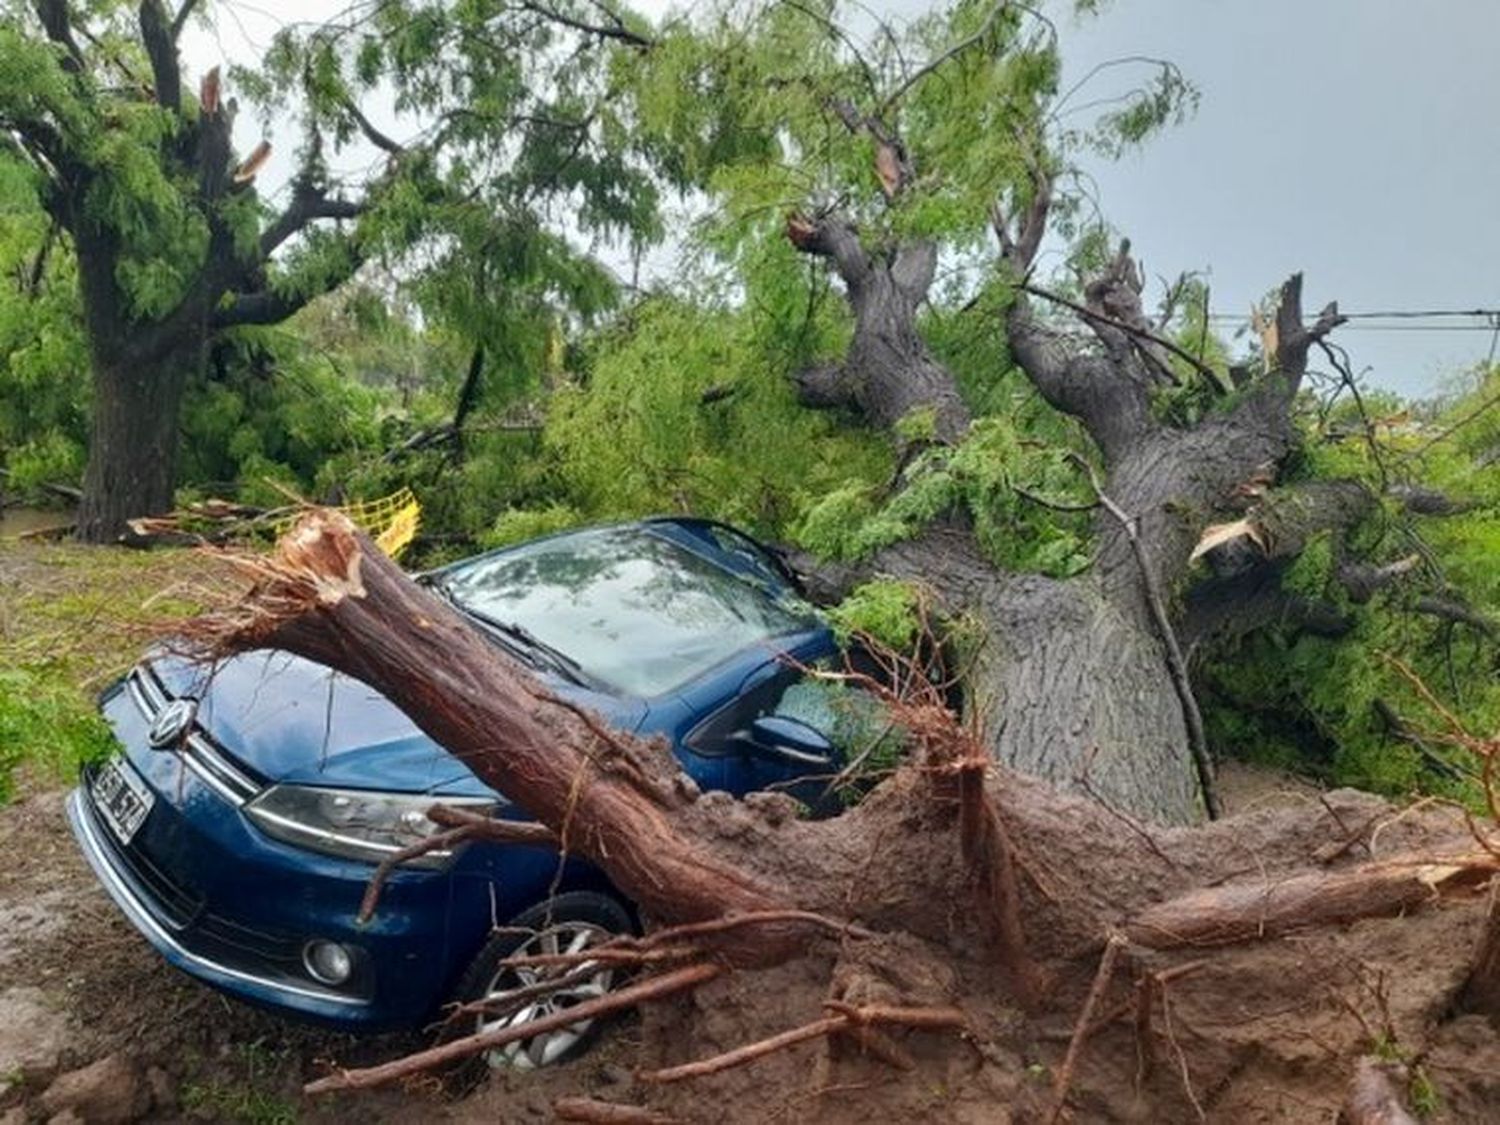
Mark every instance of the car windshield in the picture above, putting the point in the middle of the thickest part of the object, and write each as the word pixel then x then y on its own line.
pixel 637 612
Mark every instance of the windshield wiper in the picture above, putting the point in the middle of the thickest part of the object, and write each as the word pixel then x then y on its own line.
pixel 519 639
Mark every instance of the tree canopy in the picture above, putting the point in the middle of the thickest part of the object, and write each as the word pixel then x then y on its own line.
pixel 830 360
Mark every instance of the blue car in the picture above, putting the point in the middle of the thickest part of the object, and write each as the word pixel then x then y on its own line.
pixel 240 824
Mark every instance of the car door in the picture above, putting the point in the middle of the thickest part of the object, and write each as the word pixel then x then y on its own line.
pixel 790 730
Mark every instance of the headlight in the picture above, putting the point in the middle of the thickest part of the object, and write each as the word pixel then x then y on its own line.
pixel 354 823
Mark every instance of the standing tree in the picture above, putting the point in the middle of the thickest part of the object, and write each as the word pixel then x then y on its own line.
pixel 173 244
pixel 1103 499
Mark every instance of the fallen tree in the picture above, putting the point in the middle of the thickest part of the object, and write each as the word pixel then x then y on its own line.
pixel 960 918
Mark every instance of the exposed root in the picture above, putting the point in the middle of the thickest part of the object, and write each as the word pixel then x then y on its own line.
pixel 990 854
pixel 748 1053
pixel 595 1112
pixel 668 944
pixel 1253 911
pixel 954 755
pixel 1082 1027
pixel 461 827
pixel 846 1019
pixel 684 979
pixel 756 918
pixel 439 841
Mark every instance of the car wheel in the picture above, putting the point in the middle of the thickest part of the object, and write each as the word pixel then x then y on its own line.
pixel 568 923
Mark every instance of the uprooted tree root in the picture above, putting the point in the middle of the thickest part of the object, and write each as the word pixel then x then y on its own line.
pixel 1028 952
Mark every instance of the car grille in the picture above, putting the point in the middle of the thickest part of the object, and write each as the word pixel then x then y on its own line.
pixel 270 957
pixel 201 754
pixel 174 904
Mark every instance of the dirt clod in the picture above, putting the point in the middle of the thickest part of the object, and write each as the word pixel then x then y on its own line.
pixel 111 1091
pixel 33 1034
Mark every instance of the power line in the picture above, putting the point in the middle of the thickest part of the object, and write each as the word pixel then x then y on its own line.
pixel 1420 314
pixel 1419 328
pixel 1394 314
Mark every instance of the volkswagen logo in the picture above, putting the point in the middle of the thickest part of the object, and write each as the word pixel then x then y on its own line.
pixel 172 722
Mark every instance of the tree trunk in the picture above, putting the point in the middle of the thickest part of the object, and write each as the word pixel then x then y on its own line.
pixel 1070 682
pixel 133 448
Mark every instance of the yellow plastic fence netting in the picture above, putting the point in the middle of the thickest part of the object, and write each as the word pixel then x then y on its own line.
pixel 392 521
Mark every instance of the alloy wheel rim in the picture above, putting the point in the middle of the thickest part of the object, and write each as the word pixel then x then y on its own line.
pixel 569 938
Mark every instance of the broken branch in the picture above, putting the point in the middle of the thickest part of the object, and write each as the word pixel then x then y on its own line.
pixel 654 988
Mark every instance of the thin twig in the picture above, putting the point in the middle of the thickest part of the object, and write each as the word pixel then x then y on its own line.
pixel 847 1017
pixel 1081 1028
pixel 952 52
pixel 1131 329
pixel 1176 665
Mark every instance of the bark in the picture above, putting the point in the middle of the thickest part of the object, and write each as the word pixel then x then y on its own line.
pixel 889 370
pixel 133 444
pixel 1075 683
pixel 1259 910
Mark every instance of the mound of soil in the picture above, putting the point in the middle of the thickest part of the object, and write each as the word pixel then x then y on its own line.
pixel 1267 1031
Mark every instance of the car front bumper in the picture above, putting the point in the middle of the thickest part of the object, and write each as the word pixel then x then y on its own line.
pixel 260 980
pixel 235 909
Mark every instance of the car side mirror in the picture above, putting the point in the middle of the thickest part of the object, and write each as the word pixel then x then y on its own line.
pixel 791 740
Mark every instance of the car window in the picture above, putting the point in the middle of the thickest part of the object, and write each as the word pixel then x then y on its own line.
pixel 853 720
pixel 639 613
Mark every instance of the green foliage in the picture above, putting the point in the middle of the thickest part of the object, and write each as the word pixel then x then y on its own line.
pixel 45 724
pixel 71 618
pixel 516 525
pixel 307 426
pixel 691 409
pixel 883 609
pixel 1005 484
pixel 1313 702
pixel 44 391
pixel 1426 1098
pixel 244 1098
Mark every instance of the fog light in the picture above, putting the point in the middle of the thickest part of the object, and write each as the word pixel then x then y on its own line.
pixel 327 961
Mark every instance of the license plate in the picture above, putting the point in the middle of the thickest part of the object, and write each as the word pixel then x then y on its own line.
pixel 121 798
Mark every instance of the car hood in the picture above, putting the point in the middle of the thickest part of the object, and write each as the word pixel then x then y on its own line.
pixel 293 720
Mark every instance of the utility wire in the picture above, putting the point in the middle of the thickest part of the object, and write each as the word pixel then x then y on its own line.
pixel 1490 315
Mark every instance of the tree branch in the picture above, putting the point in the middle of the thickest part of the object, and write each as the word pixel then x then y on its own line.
pixel 1019 250
pixel 308 205
pixel 1361 580
pixel 1134 330
pixel 1113 409
pixel 268 307
pixel 951 53
pixel 180 20
pixel 160 40
pixel 1450 610
pixel 57 23
pixel 833 238
pixel 372 134
pixel 1293 338
pixel 615 29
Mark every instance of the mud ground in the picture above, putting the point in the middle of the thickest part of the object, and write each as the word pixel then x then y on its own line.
pixel 77 985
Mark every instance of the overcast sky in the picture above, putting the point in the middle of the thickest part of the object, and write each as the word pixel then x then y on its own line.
pixel 1352 139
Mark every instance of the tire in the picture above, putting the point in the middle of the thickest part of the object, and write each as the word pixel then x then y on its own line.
pixel 569 922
